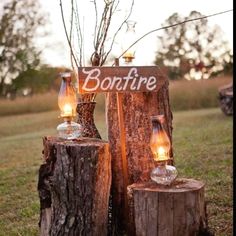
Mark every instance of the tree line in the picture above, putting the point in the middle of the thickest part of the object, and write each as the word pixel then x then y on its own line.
pixel 192 50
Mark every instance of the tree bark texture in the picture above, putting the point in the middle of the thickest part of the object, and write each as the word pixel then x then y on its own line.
pixel 85 111
pixel 226 96
pixel 176 210
pixel 137 109
pixel 76 181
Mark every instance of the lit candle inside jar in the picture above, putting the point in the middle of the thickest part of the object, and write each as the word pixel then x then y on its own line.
pixel 163 173
pixel 67 110
pixel 161 153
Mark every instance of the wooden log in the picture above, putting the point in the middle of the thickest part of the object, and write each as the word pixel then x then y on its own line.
pixel 137 109
pixel 175 210
pixel 77 175
pixel 226 99
pixel 45 201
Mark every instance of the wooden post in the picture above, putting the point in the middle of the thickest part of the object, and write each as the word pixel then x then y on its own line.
pixel 137 110
pixel 77 177
pixel 119 97
pixel 178 209
pixel 145 93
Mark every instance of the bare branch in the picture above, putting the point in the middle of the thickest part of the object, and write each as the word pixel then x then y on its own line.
pixel 106 32
pixel 170 26
pixel 115 8
pixel 101 26
pixel 71 31
pixel 66 32
pixel 79 34
pixel 118 30
pixel 96 22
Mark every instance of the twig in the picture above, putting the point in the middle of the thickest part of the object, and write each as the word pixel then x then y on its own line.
pixel 96 23
pixel 71 28
pixel 79 35
pixel 67 37
pixel 118 30
pixel 169 26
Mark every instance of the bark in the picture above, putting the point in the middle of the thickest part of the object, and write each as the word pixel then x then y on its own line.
pixel 177 210
pixel 226 99
pixel 137 107
pixel 85 111
pixel 78 178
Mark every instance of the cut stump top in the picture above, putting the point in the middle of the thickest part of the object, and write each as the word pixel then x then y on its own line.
pixel 82 141
pixel 179 185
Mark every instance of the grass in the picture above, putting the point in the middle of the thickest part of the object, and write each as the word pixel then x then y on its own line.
pixel 20 158
pixel 202 148
pixel 202 143
pixel 196 94
pixel 33 104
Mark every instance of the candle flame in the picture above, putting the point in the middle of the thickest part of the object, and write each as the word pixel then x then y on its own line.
pixel 67 109
pixel 129 54
pixel 161 151
pixel 161 154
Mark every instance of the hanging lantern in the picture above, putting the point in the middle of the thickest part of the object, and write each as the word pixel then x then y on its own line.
pixel 128 40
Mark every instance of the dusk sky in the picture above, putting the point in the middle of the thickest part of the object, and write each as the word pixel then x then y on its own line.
pixel 149 15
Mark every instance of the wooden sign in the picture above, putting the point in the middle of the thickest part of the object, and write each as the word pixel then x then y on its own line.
pixel 120 79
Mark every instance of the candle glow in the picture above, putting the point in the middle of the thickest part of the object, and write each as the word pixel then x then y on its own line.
pixel 162 155
pixel 129 54
pixel 67 110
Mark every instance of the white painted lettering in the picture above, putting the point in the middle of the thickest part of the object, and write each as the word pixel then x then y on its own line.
pixel 106 81
pixel 141 80
pixel 151 83
pixel 133 85
pixel 93 80
pixel 126 78
pixel 91 75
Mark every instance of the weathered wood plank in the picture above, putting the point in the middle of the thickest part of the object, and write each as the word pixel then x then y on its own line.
pixel 152 214
pixel 168 210
pixel 179 219
pixel 190 212
pixel 120 79
pixel 165 213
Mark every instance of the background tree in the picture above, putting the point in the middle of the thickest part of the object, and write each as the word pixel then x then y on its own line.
pixel 40 80
pixel 19 24
pixel 193 50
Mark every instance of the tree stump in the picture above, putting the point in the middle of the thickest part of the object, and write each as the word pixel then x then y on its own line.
pixel 74 186
pixel 177 210
pixel 137 110
pixel 226 96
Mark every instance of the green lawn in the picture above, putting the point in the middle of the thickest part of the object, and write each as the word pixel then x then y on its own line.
pixel 202 149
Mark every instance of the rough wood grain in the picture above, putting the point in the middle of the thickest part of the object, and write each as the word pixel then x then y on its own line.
pixel 137 109
pixel 78 178
pixel 168 210
pixel 226 95
pixel 85 111
pixel 120 79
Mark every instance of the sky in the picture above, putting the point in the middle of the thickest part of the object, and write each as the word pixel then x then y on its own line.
pixel 148 14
